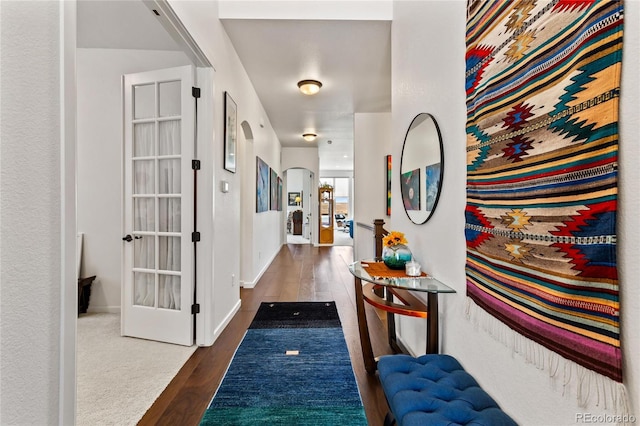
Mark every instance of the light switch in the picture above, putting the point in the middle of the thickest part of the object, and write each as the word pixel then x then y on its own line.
pixel 224 186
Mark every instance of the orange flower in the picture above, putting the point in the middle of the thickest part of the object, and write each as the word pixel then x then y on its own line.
pixel 394 238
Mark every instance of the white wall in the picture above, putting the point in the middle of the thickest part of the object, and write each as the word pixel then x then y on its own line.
pixel 99 168
pixel 31 214
pixel 372 143
pixel 305 158
pixel 265 233
pixel 294 184
pixel 428 76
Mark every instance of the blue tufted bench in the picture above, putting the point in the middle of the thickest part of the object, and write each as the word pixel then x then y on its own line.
pixel 434 389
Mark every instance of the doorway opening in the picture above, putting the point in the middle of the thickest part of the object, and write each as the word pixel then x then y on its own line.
pixel 105 50
pixel 342 208
pixel 299 184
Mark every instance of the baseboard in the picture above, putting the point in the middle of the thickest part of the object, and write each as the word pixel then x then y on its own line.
pixel 406 346
pixel 226 321
pixel 252 284
pixel 248 284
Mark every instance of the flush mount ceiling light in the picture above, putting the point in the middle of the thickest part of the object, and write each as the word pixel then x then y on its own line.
pixel 309 87
pixel 309 137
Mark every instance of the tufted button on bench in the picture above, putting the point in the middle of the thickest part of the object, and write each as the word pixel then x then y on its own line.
pixel 434 389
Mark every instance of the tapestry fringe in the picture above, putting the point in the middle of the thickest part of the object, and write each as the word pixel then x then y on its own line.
pixel 591 387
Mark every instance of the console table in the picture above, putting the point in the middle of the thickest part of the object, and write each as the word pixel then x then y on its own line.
pixel 382 289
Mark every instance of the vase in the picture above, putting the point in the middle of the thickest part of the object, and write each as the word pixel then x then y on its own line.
pixel 396 256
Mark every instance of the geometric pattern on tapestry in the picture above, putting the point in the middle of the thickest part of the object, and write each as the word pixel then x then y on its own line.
pixel 543 85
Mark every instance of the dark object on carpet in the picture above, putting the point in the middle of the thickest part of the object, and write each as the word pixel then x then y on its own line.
pixel 296 315
pixel 435 389
pixel 297 372
pixel 84 293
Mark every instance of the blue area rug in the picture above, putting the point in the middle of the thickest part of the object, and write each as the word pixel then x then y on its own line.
pixel 292 368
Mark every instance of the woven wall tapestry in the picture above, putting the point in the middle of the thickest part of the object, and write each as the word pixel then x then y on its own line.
pixel 543 84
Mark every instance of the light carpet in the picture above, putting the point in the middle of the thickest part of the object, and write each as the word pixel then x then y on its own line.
pixel 292 368
pixel 119 378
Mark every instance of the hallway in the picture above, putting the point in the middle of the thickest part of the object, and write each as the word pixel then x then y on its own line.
pixel 298 273
pixel 340 238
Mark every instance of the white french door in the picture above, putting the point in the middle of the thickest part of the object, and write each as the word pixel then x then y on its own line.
pixel 157 276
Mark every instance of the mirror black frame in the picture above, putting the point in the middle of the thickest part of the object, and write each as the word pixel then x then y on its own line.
pixel 417 219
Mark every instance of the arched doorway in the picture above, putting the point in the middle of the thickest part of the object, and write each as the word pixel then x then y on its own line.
pixel 299 189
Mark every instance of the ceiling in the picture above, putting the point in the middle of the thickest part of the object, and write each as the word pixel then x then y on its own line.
pixel 351 58
pixel 115 24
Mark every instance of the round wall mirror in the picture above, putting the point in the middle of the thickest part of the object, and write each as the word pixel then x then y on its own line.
pixel 421 168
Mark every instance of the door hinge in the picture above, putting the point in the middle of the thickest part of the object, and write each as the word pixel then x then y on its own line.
pixel 195 237
pixel 195 308
pixel 195 164
pixel 195 92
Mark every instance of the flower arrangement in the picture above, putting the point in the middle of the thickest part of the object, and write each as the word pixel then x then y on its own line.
pixel 394 238
pixel 395 253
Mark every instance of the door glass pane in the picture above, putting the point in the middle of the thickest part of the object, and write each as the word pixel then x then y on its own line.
pixel 144 217
pixel 143 140
pixel 341 200
pixel 169 291
pixel 325 213
pixel 144 101
pixel 144 255
pixel 143 177
pixel 169 253
pixel 169 176
pixel 169 98
pixel 144 289
pixel 169 137
pixel 169 214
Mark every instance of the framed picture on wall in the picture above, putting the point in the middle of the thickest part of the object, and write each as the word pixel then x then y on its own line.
pixel 273 189
pixel 433 183
pixel 230 133
pixel 293 198
pixel 388 160
pixel 262 185
pixel 411 189
pixel 279 194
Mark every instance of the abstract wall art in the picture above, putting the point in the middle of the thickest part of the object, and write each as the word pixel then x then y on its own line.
pixel 410 182
pixel 262 186
pixel 273 189
pixel 388 162
pixel 230 133
pixel 432 174
pixel 543 83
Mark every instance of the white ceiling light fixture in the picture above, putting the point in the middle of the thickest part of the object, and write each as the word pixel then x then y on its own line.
pixel 309 87
pixel 309 137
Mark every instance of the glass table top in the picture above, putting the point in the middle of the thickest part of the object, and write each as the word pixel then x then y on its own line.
pixel 426 284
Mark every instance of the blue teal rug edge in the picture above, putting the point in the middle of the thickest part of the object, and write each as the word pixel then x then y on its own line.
pixel 317 386
pixel 351 416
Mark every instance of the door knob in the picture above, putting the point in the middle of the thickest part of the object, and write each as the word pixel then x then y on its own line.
pixel 128 238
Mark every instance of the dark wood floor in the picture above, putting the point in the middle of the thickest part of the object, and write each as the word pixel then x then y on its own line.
pixel 298 273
